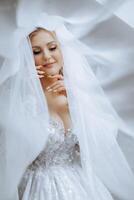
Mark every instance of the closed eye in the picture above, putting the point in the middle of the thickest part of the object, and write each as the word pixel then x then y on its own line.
pixel 53 48
pixel 36 52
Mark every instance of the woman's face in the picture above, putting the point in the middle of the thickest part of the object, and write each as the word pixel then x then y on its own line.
pixel 46 51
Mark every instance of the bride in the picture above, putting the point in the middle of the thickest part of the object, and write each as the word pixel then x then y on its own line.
pixel 49 61
pixel 53 174
pixel 59 129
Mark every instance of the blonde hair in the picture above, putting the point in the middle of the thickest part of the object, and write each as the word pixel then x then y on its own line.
pixel 38 29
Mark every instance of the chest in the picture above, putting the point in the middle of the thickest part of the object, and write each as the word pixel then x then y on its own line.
pixel 58 103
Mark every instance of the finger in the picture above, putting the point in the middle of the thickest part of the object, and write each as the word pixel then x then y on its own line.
pixel 58 76
pixel 59 82
pixel 61 89
pixel 41 68
pixel 40 72
pixel 58 89
pixel 57 86
pixel 38 66
pixel 41 76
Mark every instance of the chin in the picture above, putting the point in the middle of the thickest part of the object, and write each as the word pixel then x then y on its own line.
pixel 54 72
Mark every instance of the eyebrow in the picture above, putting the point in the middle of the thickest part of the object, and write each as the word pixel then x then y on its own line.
pixel 47 44
pixel 51 42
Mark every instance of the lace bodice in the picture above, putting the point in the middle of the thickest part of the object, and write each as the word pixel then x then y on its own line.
pixel 60 149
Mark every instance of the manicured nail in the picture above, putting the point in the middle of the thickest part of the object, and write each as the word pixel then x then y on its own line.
pixel 38 67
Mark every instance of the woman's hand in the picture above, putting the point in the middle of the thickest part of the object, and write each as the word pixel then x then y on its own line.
pixel 40 72
pixel 58 85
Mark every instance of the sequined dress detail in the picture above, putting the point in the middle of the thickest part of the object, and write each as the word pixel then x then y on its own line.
pixel 56 174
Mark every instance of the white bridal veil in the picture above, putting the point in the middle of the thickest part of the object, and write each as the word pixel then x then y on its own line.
pixel 25 117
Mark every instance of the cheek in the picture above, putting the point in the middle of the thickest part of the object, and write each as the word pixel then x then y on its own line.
pixel 38 60
pixel 59 57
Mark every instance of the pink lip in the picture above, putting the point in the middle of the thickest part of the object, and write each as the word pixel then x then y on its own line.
pixel 49 65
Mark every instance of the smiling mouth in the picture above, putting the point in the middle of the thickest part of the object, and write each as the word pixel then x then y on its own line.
pixel 49 65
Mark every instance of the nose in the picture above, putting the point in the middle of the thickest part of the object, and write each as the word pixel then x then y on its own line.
pixel 46 54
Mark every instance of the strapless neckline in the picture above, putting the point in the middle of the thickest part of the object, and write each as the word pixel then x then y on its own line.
pixel 58 125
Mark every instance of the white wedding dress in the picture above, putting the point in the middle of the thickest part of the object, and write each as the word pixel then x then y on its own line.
pixel 56 174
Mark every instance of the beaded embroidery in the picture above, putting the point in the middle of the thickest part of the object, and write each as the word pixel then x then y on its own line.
pixel 60 149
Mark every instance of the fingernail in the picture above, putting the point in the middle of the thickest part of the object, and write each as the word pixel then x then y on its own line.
pixel 47 87
pixel 55 90
pixel 38 67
